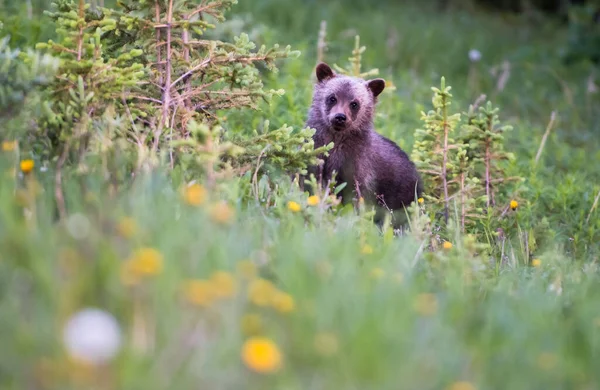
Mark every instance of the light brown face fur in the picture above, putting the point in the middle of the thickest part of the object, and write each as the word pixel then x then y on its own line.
pixel 345 103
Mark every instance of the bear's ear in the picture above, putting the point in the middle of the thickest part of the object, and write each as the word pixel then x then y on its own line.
pixel 376 86
pixel 324 72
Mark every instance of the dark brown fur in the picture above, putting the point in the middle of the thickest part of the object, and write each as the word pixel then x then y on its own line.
pixel 373 166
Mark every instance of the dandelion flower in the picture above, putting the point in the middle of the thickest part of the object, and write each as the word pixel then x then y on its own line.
pixel 199 292
pixel 313 200
pixel 221 213
pixel 261 355
pixel 366 249
pixel 144 262
pixel 127 227
pixel 514 204
pixel 27 166
pixel 426 304
pixel 283 302
pixel 377 273
pixel 223 284
pixel 461 386
pixel 251 324
pixel 398 277
pixel 247 269
pixel 547 361
pixel 92 336
pixel 9 146
pixel 326 344
pixel 261 292
pixel 536 262
pixel 447 245
pixel 421 200
pixel 195 194
pixel 474 55
pixel 293 206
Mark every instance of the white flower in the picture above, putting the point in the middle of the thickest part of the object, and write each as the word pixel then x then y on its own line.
pixel 92 335
pixel 474 55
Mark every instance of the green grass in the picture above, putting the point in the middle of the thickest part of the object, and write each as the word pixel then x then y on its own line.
pixel 398 317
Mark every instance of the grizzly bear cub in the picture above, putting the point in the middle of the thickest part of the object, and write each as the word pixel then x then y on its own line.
pixel 372 166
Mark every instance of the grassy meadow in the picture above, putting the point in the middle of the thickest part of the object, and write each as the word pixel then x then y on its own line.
pixel 253 284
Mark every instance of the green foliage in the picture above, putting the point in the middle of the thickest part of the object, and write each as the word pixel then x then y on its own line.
pixel 22 75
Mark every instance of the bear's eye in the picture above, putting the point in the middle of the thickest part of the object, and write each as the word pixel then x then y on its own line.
pixel 354 105
pixel 332 99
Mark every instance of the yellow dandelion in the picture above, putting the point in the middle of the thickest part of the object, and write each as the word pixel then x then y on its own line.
pixel 261 292
pixel 536 262
pixel 261 355
pixel 251 324
pixel 144 262
pixel 326 344
pixel 377 273
pixel 425 304
pixel 514 204
pixel 9 146
pixel 127 227
pixel 421 200
pixel 398 277
pixel 313 200
pixel 293 206
pixel 447 245
pixel 462 385
pixel 361 200
pixel 199 292
pixel 547 361
pixel 247 269
pixel 27 166
pixel 222 213
pixel 195 194
pixel 366 249
pixel 224 285
pixel 283 302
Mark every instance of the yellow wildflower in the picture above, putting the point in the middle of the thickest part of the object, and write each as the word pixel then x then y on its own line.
pixel 27 166
pixel 195 194
pixel 547 361
pixel 461 386
pixel 536 262
pixel 251 324
pixel 326 344
pixel 283 302
pixel 313 200
pixel 377 273
pixel 9 146
pixel 261 355
pixel 447 245
pixel 426 304
pixel 223 284
pixel 221 213
pixel 293 206
pixel 247 269
pixel 261 291
pixel 421 200
pixel 127 227
pixel 366 249
pixel 514 204
pixel 398 277
pixel 199 292
pixel 143 263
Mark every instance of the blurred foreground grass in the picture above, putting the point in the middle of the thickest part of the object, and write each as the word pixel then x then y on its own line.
pixel 209 292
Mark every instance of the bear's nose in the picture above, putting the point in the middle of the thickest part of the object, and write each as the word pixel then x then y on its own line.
pixel 339 119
